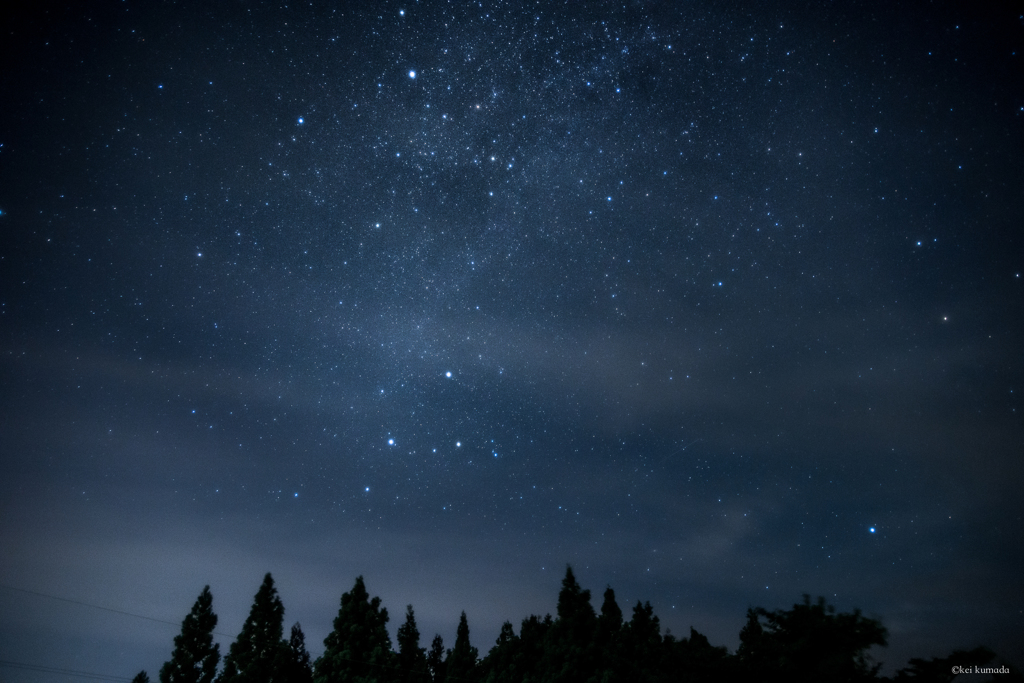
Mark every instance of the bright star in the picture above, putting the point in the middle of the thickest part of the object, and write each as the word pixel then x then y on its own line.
pixel 448 374
pixel 412 74
pixel 458 444
pixel 301 120
pixel 391 442
pixel 872 529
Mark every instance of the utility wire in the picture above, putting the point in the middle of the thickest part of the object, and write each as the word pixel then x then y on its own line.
pixel 84 674
pixel 105 609
pixel 56 670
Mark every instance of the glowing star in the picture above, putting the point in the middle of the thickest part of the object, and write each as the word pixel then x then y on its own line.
pixel 412 74
pixel 458 444
pixel 448 374
pixel 367 489
pixel 301 120
pixel 391 442
pixel 872 529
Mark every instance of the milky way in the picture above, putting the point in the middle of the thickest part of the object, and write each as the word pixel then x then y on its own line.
pixel 720 305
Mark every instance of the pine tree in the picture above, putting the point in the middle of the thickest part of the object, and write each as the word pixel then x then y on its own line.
pixel 503 664
pixel 607 636
pixel 436 659
pixel 195 655
pixel 569 647
pixel 358 650
pixel 412 659
pixel 297 667
pixel 141 677
pixel 461 662
pixel 259 651
pixel 642 644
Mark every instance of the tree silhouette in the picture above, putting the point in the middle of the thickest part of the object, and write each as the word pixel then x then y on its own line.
pixel 699 659
pixel 195 655
pixel 502 664
pixel 412 659
pixel 940 670
pixel 436 659
pixel 358 650
pixel 641 645
pixel 259 653
pixel 297 667
pixel 569 646
pixel 809 643
pixel 462 660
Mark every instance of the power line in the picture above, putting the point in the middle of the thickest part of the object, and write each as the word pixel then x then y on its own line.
pixel 105 609
pixel 57 670
pixel 85 674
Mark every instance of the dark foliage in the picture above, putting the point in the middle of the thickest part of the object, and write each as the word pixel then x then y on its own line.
pixel 461 664
pixel 940 670
pixel 358 650
pixel 195 655
pixel 436 659
pixel 297 667
pixel 569 652
pixel 259 654
pixel 810 642
pixel 412 659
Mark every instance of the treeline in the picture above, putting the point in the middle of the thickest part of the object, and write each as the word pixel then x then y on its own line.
pixel 809 642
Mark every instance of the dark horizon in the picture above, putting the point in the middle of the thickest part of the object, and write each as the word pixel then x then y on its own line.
pixel 720 305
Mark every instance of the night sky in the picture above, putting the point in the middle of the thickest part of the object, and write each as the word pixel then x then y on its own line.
pixel 719 303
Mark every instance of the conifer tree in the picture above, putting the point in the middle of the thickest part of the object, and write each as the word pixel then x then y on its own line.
pixel 412 659
pixel 436 659
pixel 607 634
pixel 358 650
pixel 533 634
pixel 141 677
pixel 504 663
pixel 569 647
pixel 642 643
pixel 611 613
pixel 297 667
pixel 195 655
pixel 462 660
pixel 259 651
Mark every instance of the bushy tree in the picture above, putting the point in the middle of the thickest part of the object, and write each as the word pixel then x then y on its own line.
pixel 809 643
pixel 940 670
pixel 412 659
pixel 699 659
pixel 259 653
pixel 195 655
pixel 358 650
pixel 462 660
